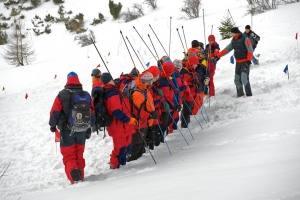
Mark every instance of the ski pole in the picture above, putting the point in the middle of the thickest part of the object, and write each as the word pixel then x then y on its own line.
pixel 184 119
pixel 141 57
pixel 204 28
pixel 145 143
pixel 129 53
pixel 158 40
pixel 163 136
pixel 204 110
pixel 181 41
pixel 209 62
pixel 153 46
pixel 197 106
pixel 190 111
pixel 135 52
pixel 184 37
pixel 144 42
pixel 170 37
pixel 177 126
pixel 99 53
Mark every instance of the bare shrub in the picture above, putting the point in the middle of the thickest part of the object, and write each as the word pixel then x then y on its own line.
pixel 191 8
pixel 19 50
pixel 134 13
pixel 84 39
pixel 152 3
pixel 260 6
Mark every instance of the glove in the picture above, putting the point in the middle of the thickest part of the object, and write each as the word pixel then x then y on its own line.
pixel 198 89
pixel 53 129
pixel 215 60
pixel 206 81
pixel 88 133
pixel 153 115
pixel 178 108
pixel 176 91
pixel 166 107
pixel 133 121
pixel 160 93
pixel 248 62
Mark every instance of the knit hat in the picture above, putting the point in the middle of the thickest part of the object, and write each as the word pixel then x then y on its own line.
pixel 235 30
pixel 95 72
pixel 193 60
pixel 135 72
pixel 71 74
pixel 211 38
pixel 248 27
pixel 106 78
pixel 165 59
pixel 177 63
pixel 195 43
pixel 168 69
pixel 154 71
pixel 146 77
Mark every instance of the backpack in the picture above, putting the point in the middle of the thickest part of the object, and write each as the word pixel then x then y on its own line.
pixel 79 116
pixel 129 93
pixel 102 117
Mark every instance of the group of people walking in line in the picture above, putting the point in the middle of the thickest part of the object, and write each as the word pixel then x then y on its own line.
pixel 145 107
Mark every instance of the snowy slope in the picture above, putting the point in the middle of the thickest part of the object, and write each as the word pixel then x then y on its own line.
pixel 248 150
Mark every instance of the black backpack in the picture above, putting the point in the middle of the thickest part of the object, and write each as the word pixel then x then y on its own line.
pixel 79 116
pixel 102 117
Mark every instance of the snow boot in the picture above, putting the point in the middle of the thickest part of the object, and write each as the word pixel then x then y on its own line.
pixel 76 175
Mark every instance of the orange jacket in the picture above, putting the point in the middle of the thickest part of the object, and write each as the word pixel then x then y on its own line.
pixel 138 98
pixel 96 82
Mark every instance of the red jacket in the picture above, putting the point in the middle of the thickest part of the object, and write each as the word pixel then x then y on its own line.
pixel 62 104
pixel 118 106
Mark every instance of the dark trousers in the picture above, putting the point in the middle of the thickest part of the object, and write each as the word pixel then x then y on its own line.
pixel 166 121
pixel 242 71
pixel 186 114
pixel 138 145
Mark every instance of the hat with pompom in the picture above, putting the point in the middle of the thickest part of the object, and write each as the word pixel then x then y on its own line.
pixel 146 77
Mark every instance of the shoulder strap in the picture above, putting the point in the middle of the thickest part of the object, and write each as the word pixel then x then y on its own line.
pixel 143 105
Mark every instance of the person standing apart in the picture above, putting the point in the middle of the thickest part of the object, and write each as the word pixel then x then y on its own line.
pixel 243 51
pixel 254 38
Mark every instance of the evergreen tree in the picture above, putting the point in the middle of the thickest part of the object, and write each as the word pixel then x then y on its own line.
pixel 114 9
pixel 225 28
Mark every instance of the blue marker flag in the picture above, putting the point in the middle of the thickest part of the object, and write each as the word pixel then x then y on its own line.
pixel 286 69
pixel 148 64
pixel 232 59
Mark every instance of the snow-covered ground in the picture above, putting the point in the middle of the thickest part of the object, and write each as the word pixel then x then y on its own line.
pixel 248 150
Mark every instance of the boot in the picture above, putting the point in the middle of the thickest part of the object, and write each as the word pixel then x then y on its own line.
pixel 76 175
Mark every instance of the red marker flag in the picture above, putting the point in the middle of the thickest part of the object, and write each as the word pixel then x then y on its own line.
pixel 57 136
pixel 26 96
pixel 296 36
pixel 55 76
pixel 98 66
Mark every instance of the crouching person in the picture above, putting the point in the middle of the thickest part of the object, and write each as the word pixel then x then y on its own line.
pixel 122 127
pixel 74 125
pixel 143 109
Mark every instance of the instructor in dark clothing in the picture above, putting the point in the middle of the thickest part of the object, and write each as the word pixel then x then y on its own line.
pixel 243 53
